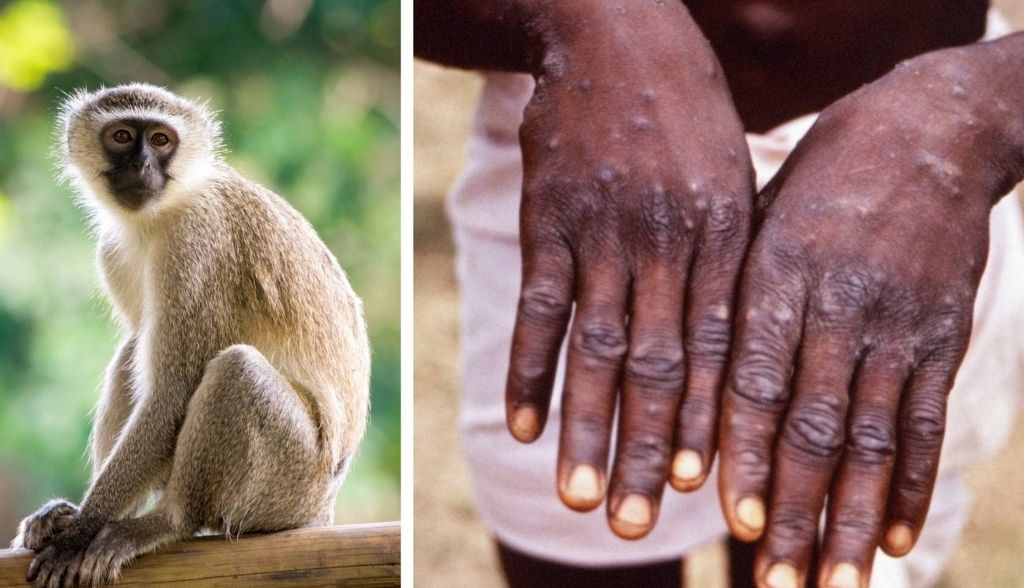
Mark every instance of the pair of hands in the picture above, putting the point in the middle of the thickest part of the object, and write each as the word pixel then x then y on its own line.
pixel 71 548
pixel 809 334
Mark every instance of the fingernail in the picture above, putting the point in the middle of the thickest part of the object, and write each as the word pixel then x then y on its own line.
pixel 687 466
pixel 782 575
pixel 632 519
pixel 525 422
pixel 585 488
pixel 750 512
pixel 844 575
pixel 899 538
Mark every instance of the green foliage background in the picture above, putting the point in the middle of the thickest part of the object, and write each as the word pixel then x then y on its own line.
pixel 309 97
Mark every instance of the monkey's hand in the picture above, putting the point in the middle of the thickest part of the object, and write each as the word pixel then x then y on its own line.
pixel 114 548
pixel 60 564
pixel 38 529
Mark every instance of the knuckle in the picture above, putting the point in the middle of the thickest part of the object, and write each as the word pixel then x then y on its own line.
pixel 759 376
pixel 845 295
pixel 544 301
pixel 587 426
pixel 816 428
pixel 915 485
pixel 946 337
pixel 793 524
pixel 925 422
pixel 529 379
pixel 898 311
pixel 783 262
pixel 872 439
pixel 550 209
pixel 709 338
pixel 645 452
pixel 860 525
pixel 753 463
pixel 656 364
pixel 662 222
pixel 601 341
pixel 726 218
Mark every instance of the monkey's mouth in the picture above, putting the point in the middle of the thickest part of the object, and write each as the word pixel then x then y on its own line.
pixel 133 191
pixel 135 198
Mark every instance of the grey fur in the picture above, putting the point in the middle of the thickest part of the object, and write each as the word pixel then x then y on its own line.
pixel 241 391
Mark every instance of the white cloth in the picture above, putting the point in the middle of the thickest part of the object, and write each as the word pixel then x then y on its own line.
pixel 515 484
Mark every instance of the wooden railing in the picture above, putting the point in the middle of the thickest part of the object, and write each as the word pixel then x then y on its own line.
pixel 351 555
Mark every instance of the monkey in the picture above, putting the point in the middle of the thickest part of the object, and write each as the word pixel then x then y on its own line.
pixel 240 392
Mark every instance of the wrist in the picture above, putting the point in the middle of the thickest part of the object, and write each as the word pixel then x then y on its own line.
pixel 89 524
pixel 965 110
pixel 1003 102
pixel 571 35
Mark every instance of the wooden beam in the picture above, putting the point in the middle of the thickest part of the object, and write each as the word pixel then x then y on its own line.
pixel 351 555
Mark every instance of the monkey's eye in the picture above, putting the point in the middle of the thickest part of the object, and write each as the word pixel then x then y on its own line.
pixel 159 139
pixel 122 136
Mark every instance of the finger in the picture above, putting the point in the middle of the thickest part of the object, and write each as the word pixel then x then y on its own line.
pixel 59 575
pixel 807 452
pixel 856 504
pixel 652 385
pixel 37 563
pixel 77 575
pixel 922 423
pixel 712 287
pixel 545 303
pixel 757 390
pixel 597 345
pixel 89 571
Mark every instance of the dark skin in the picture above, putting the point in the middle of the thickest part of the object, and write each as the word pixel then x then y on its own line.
pixel 855 310
pixel 648 220
pixel 138 152
pixel 854 305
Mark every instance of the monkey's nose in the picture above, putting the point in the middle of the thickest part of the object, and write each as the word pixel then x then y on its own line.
pixel 143 168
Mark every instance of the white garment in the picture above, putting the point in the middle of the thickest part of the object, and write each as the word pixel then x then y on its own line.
pixel 515 483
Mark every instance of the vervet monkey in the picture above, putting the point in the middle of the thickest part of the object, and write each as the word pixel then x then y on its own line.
pixel 240 391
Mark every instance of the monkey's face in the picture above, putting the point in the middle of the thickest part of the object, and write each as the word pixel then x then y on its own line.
pixel 138 153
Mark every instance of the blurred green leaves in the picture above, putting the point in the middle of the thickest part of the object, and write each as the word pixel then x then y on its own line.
pixel 308 92
pixel 34 42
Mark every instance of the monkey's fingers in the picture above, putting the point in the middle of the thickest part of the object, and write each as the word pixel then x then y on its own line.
pixel 39 563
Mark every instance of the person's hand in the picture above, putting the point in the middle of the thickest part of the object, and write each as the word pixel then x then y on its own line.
pixel 855 311
pixel 637 199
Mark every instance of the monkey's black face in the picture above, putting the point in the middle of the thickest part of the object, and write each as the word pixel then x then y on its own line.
pixel 138 152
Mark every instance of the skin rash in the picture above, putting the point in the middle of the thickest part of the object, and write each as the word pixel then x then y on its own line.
pixel 805 333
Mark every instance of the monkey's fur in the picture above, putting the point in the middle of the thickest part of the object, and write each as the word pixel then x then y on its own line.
pixel 241 389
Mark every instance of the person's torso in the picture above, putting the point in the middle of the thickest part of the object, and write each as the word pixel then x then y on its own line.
pixel 786 58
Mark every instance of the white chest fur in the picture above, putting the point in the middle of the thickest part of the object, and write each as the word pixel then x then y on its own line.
pixel 123 263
